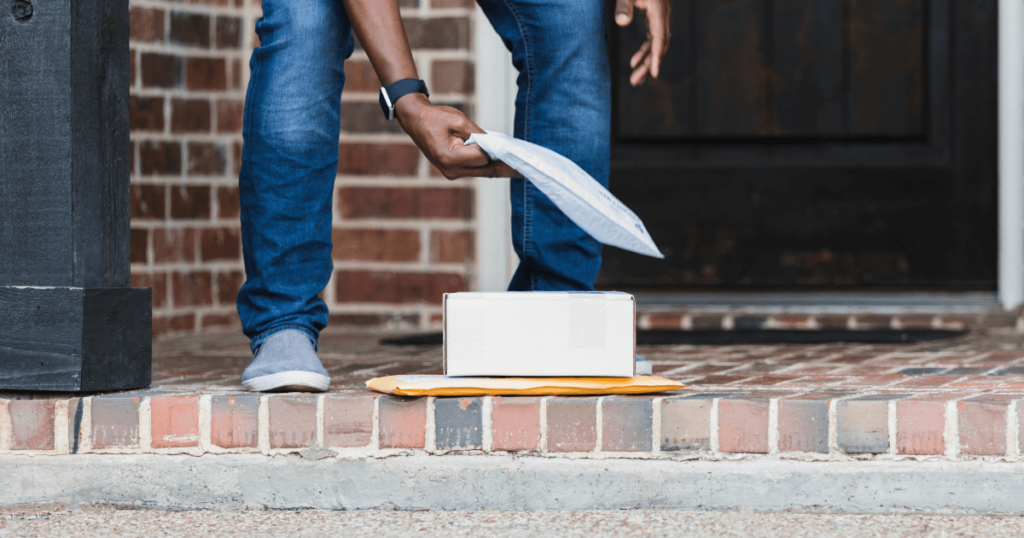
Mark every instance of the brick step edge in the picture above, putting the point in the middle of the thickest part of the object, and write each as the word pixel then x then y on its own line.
pixel 811 425
pixel 704 320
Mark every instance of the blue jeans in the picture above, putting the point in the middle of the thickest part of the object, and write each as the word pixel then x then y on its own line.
pixel 290 157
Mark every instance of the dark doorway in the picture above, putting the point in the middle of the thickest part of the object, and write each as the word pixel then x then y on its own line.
pixel 811 143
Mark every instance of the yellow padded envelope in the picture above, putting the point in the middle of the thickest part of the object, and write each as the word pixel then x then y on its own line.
pixel 439 385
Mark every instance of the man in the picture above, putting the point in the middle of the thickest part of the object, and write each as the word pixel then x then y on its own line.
pixel 290 156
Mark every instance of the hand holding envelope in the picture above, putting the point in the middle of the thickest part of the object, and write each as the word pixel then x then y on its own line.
pixel 574 191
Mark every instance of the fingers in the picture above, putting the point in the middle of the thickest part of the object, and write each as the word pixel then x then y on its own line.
pixel 657 25
pixel 640 74
pixel 623 12
pixel 645 49
pixel 460 156
pixel 494 170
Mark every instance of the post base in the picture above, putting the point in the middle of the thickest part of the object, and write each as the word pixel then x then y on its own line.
pixel 75 339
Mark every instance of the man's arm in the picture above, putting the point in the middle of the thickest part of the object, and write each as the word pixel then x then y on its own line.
pixel 647 60
pixel 439 131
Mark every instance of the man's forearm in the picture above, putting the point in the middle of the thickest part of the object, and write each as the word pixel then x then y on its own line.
pixel 378 24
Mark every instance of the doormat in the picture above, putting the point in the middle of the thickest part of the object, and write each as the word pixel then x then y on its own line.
pixel 668 337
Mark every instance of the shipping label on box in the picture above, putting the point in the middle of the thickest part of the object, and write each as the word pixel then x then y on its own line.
pixel 540 334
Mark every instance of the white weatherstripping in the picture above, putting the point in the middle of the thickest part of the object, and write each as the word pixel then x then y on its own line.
pixel 495 111
pixel 1011 153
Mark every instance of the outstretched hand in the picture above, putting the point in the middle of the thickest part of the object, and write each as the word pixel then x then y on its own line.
pixel 647 61
pixel 440 131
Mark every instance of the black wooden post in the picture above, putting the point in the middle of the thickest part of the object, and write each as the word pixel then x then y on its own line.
pixel 69 320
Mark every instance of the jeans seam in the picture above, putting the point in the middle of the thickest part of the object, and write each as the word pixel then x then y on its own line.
pixel 527 213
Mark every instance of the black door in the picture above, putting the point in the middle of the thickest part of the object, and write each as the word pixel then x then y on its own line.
pixel 812 143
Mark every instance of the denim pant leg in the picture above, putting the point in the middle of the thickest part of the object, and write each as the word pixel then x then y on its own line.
pixel 564 104
pixel 289 162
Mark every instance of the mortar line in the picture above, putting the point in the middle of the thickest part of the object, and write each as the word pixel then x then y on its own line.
pixel 146 425
pixel 1013 430
pixel 890 418
pixel 85 444
pixel 715 447
pixel 487 423
pixel 430 441
pixel 544 424
pixel 599 426
pixel 263 434
pixel 375 426
pixel 6 426
pixel 951 432
pixel 773 426
pixel 205 422
pixel 656 426
pixel 60 427
pixel 320 420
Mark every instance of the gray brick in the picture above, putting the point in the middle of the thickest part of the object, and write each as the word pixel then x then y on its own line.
pixel 863 426
pixel 458 423
pixel 686 423
pixel 627 424
pixel 115 422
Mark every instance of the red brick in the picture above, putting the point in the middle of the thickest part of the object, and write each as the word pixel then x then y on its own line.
pixel 665 321
pixel 572 424
pixel 175 421
pixel 982 427
pixel 915 321
pixel 873 321
pixel 438 33
pixel 229 116
pixel 830 321
pixel 236 74
pixel 148 202
pixel 228 285
pixel 146 25
pixel 190 29
pixel 402 422
pixel 235 420
pixel 139 246
pixel 686 424
pixel 452 4
pixel 515 424
pixel 378 159
pixel 452 76
pixel 147 113
pixel 156 281
pixel 743 425
pixel 404 203
pixel 236 157
pixel 131 71
pixel 920 427
pixel 706 322
pixel 792 321
pixel 191 289
pixel 161 70
pixel 190 116
pixel 451 247
pixel 361 78
pixel 627 424
pixel 803 424
pixel 358 117
pixel 172 245
pixel 292 421
pixel 115 422
pixel 376 245
pixel 348 420
pixel 190 202
pixel 220 320
pixel 173 324
pixel 229 32
pixel 32 424
pixel 206 74
pixel 160 158
pixel 227 203
pixel 376 320
pixel 206 159
pixel 396 288
pixel 220 244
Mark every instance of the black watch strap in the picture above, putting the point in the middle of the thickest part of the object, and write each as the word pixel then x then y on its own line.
pixel 391 94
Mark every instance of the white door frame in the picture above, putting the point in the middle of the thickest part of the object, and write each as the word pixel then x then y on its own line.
pixel 495 111
pixel 1011 153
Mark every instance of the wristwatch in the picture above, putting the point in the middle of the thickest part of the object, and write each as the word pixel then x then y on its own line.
pixel 389 95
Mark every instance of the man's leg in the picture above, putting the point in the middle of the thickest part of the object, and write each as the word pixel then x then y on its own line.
pixel 563 104
pixel 289 162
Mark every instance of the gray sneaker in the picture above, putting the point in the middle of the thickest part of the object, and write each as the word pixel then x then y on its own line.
pixel 286 362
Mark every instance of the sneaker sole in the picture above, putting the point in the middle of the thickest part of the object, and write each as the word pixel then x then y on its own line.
pixel 296 381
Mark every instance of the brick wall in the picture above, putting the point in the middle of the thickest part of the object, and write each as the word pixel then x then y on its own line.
pixel 402 233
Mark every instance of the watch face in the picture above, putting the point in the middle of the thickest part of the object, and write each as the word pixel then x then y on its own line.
pixel 385 105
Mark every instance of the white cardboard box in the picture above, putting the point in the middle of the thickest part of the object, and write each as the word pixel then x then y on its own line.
pixel 540 334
